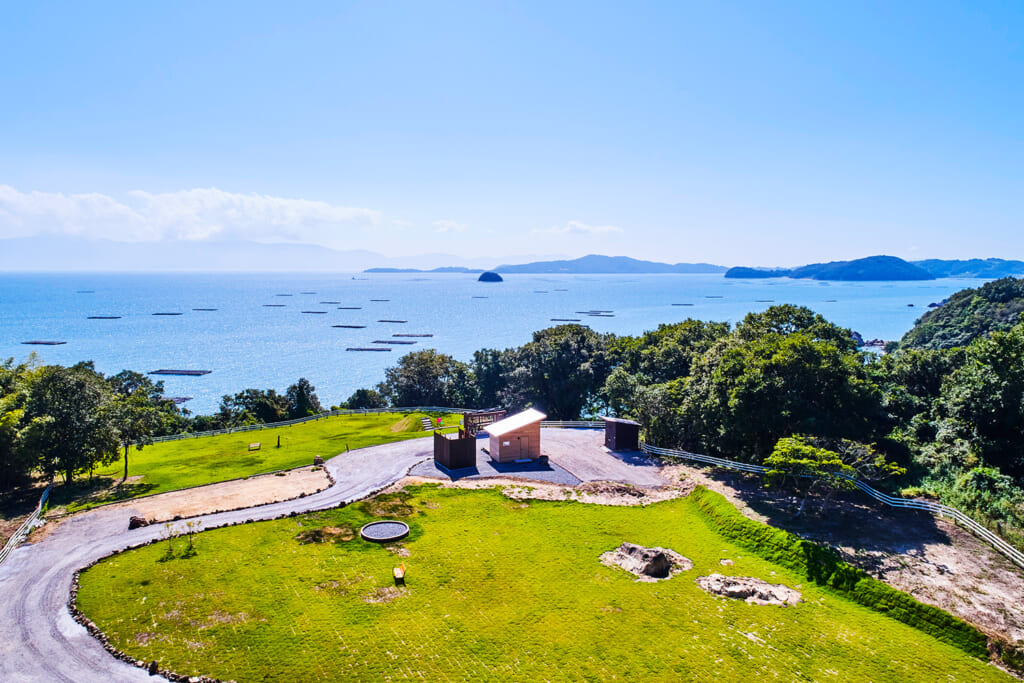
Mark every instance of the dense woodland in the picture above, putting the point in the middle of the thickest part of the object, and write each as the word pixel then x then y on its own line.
pixel 942 414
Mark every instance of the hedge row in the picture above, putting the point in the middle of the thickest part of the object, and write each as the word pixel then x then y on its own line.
pixel 824 566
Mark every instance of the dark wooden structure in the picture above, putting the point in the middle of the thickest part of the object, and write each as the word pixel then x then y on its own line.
pixel 621 435
pixel 475 421
pixel 453 452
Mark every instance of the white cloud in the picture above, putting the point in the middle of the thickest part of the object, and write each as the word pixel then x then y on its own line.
pixel 579 228
pixel 199 214
pixel 448 226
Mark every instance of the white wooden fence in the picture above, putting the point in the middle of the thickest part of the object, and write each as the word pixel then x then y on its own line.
pixel 23 531
pixel 1016 556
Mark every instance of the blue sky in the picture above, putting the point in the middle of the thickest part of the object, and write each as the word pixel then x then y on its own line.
pixel 736 133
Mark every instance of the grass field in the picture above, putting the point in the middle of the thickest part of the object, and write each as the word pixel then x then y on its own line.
pixel 497 589
pixel 172 465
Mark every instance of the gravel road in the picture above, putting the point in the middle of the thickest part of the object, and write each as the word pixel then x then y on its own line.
pixel 39 641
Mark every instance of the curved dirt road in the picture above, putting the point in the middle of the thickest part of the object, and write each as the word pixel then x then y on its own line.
pixel 39 641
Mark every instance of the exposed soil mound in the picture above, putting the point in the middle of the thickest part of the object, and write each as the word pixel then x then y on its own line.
pixel 327 534
pixel 389 505
pixel 753 591
pixel 648 564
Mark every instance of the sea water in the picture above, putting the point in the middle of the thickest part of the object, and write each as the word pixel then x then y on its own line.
pixel 259 337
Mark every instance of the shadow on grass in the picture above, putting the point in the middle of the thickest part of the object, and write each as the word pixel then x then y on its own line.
pixel 853 519
pixel 97 491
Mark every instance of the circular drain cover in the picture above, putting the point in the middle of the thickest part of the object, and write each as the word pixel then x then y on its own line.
pixel 383 532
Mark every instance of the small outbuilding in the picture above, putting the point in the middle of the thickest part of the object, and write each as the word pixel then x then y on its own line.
pixel 454 452
pixel 516 437
pixel 621 435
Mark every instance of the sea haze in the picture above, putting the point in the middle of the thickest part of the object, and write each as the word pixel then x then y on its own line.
pixel 259 339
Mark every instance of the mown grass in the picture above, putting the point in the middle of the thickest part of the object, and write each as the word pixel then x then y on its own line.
pixel 496 590
pixel 173 465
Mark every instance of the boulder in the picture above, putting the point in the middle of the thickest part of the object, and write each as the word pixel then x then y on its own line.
pixel 135 522
pixel 318 460
pixel 649 564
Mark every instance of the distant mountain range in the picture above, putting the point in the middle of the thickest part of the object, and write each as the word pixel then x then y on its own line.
pixel 591 265
pixel 64 253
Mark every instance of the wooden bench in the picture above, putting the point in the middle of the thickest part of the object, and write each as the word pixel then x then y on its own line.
pixel 254 446
pixel 400 573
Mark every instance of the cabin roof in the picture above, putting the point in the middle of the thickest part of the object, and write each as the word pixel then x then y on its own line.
pixel 514 422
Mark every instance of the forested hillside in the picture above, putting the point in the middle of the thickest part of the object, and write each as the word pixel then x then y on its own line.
pixel 967 315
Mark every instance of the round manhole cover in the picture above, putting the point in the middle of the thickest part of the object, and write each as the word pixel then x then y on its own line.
pixel 383 532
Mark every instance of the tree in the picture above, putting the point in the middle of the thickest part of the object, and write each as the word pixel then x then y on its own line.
pixel 252 406
pixel 786 319
pixel 302 399
pixel 561 370
pixel 982 403
pixel 806 465
pixel 668 352
pixel 427 378
pixel 365 398
pixel 745 394
pixel 16 463
pixel 138 410
pixel 69 423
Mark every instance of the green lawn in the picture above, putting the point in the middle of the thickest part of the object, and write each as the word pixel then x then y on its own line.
pixel 497 589
pixel 175 465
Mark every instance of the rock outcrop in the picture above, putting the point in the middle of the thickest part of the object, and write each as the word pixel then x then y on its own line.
pixel 648 564
pixel 753 591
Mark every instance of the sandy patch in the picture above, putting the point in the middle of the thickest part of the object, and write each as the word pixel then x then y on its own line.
pixel 230 495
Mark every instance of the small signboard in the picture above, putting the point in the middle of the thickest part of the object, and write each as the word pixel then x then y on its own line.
pixel 475 422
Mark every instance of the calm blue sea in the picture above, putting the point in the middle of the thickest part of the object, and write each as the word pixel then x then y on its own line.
pixel 247 344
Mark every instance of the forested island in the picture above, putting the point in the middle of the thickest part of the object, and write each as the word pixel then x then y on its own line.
pixel 865 269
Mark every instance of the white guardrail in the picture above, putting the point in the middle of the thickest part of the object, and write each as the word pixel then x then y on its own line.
pixel 23 531
pixel 1016 556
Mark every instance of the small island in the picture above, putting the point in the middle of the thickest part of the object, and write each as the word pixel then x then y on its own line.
pixel 489 276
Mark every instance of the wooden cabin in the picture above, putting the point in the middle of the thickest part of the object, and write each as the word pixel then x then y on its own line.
pixel 621 435
pixel 516 437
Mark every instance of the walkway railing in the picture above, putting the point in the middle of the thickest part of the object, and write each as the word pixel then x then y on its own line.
pixel 1015 555
pixel 22 533
pixel 572 424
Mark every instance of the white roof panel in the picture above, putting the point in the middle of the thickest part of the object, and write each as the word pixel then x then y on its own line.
pixel 514 422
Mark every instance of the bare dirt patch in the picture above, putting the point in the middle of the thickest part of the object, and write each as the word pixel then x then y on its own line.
pixel 647 564
pixel 230 495
pixel 752 591
pixel 327 534
pixel 930 558
pixel 385 594
pixel 593 492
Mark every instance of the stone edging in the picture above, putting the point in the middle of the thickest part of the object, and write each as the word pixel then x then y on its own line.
pixel 153 667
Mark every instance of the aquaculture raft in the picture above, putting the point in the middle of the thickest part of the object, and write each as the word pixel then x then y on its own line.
pixel 39 342
pixel 384 532
pixel 186 373
pixel 364 348
pixel 104 317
